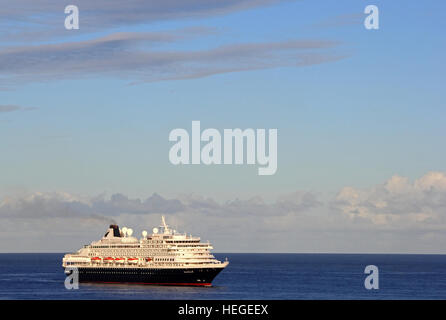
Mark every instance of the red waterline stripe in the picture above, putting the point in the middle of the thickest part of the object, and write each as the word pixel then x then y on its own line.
pixel 168 284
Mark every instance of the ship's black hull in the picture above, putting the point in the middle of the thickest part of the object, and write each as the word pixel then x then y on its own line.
pixel 167 276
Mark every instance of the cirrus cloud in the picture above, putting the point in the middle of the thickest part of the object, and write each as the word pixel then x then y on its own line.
pixel 133 55
pixel 12 108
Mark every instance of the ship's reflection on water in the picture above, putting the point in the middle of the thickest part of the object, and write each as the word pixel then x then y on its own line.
pixel 135 291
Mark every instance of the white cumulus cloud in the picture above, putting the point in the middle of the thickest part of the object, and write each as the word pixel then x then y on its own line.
pixel 398 201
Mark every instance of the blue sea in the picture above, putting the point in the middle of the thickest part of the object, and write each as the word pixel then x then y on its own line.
pixel 248 276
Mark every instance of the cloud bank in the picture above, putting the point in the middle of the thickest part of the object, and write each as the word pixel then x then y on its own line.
pixel 396 216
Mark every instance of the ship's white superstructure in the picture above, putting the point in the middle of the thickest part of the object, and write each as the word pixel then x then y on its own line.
pixel 163 249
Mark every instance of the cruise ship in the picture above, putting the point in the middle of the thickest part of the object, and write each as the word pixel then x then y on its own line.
pixel 164 257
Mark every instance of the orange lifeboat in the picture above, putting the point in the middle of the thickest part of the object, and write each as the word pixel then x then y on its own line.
pixel 108 259
pixel 96 259
pixel 132 260
pixel 120 260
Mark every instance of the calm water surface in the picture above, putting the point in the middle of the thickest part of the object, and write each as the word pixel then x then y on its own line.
pixel 248 276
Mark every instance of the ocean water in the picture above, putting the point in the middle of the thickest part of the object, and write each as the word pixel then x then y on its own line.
pixel 248 276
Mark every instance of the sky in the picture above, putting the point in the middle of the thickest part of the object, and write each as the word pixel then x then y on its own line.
pixel 85 117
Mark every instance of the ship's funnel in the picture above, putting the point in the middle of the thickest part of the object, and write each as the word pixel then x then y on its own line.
pixel 113 231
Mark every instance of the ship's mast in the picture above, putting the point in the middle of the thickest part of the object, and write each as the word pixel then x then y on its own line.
pixel 165 226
